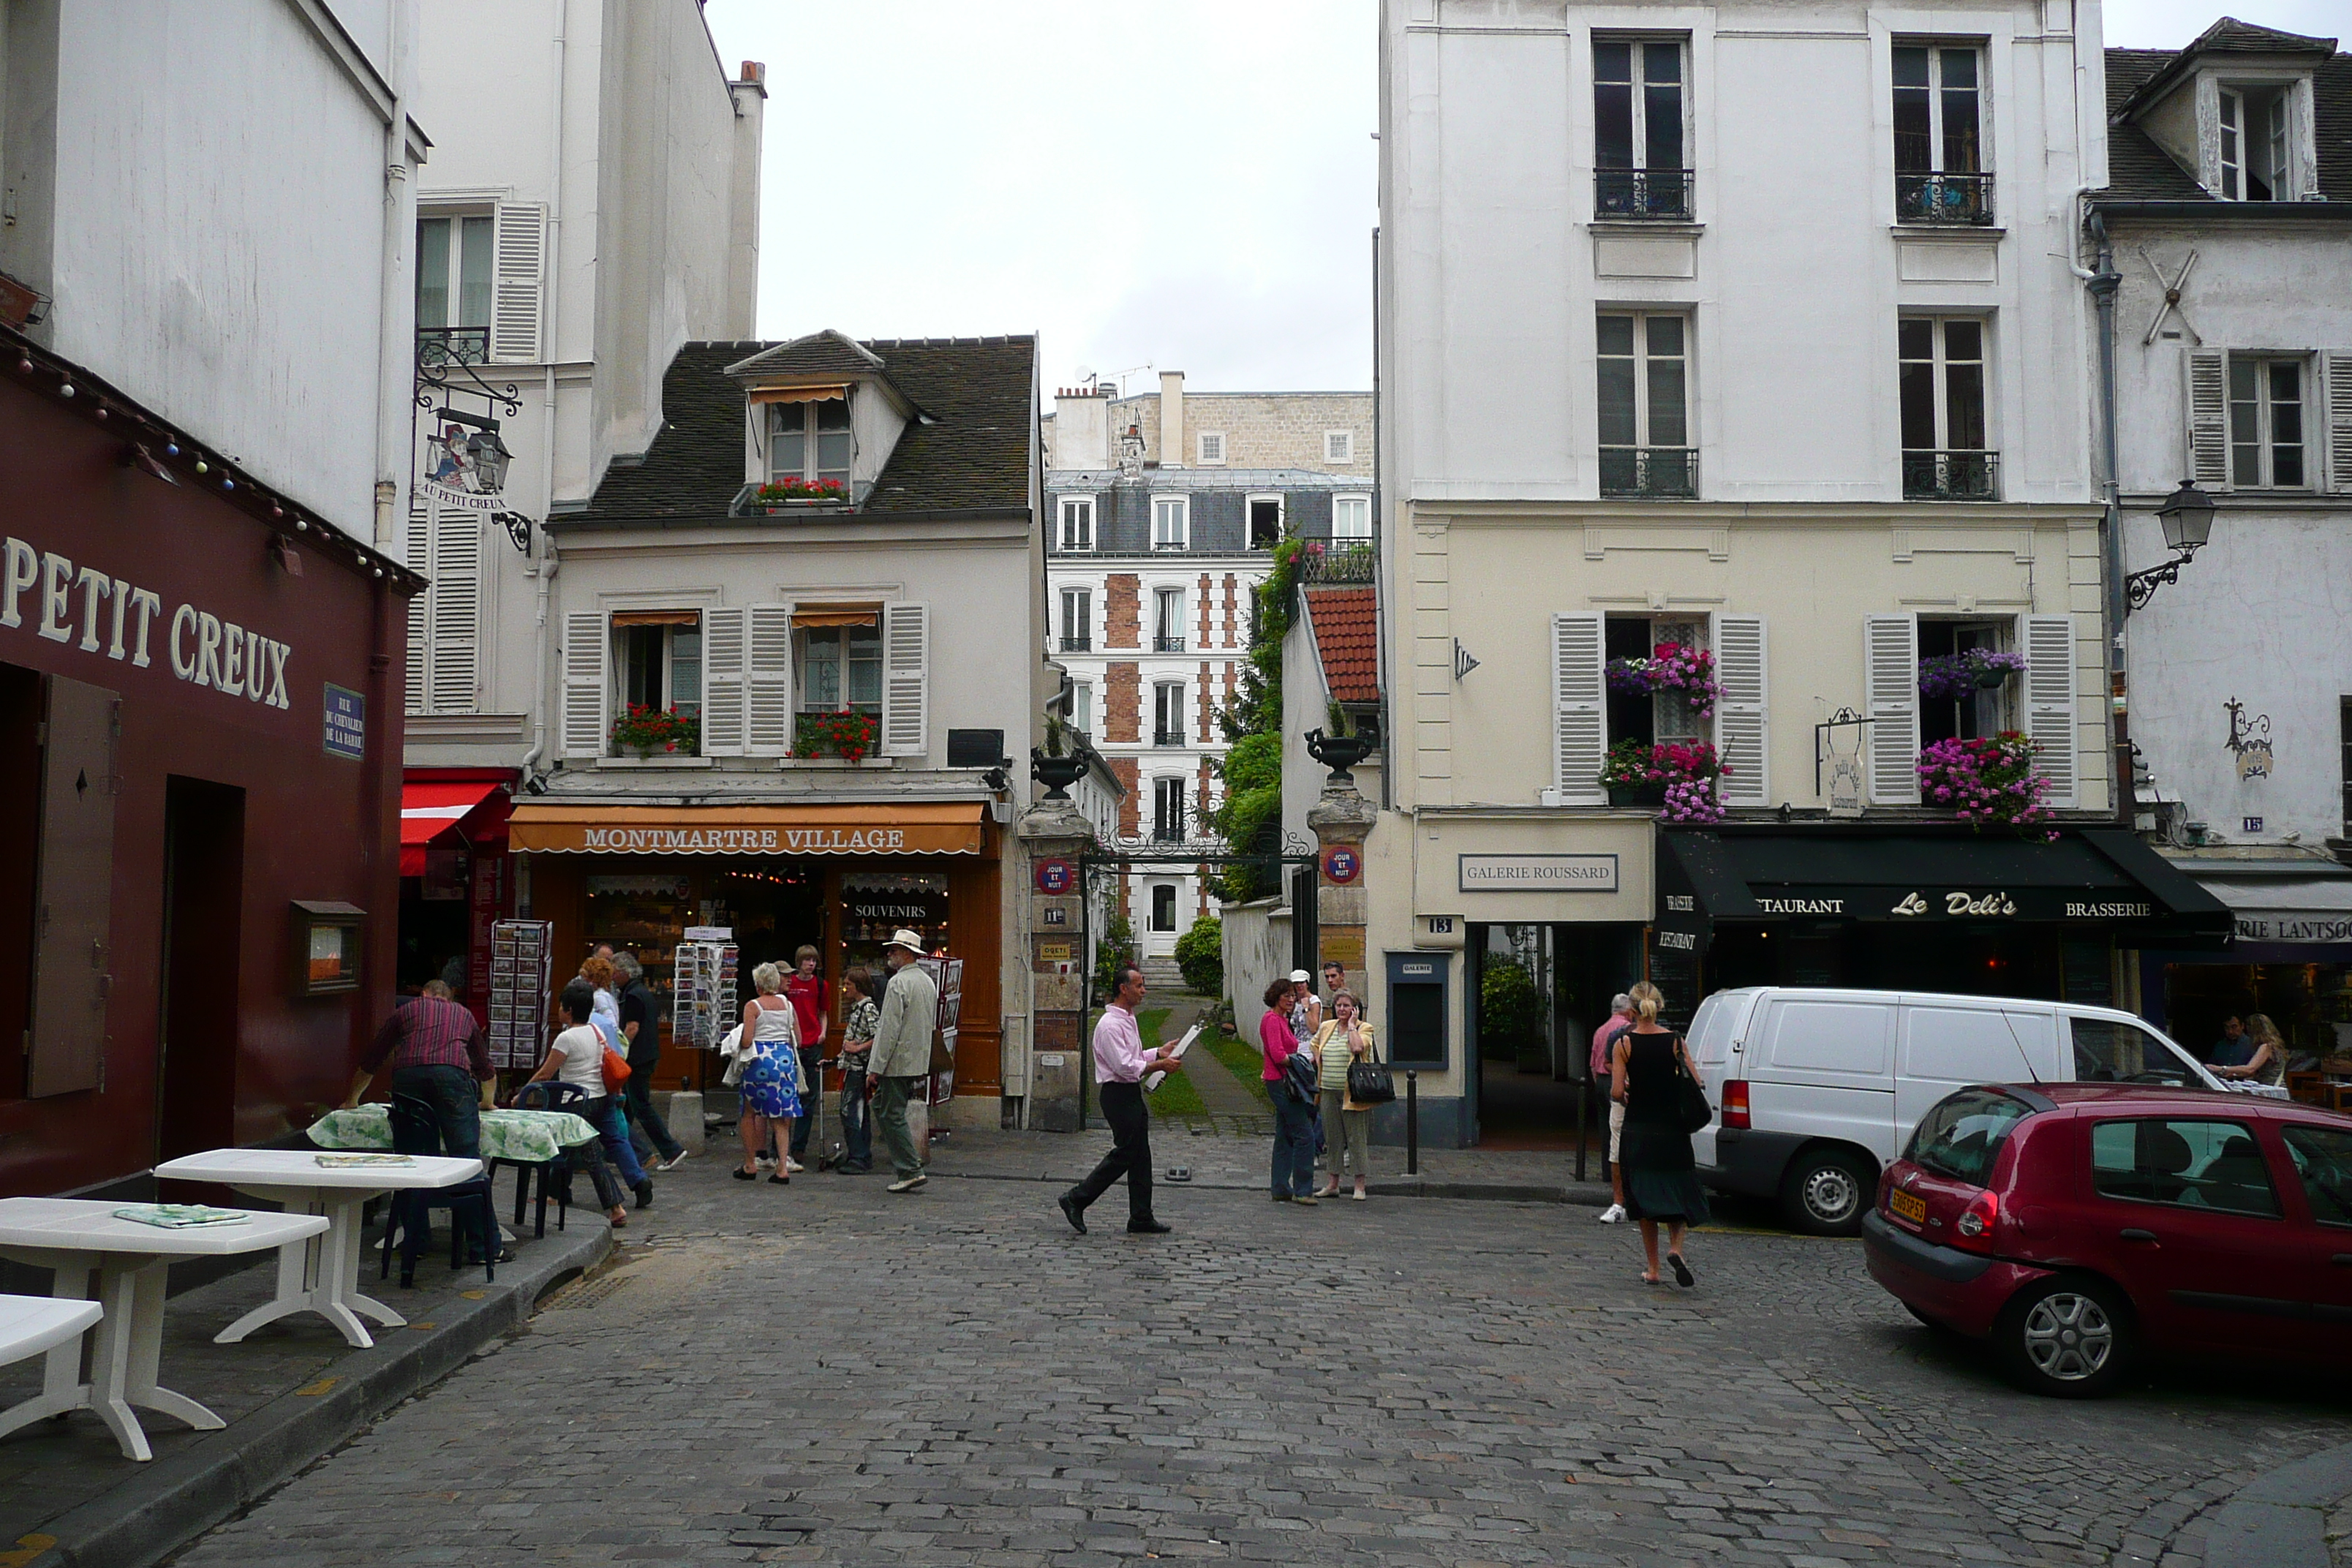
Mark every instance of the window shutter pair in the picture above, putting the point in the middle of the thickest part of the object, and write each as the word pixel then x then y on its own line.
pixel 445 621
pixel 1891 687
pixel 517 282
pixel 1581 710
pixel 2339 422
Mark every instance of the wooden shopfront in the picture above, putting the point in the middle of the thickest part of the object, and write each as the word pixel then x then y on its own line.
pixel 839 878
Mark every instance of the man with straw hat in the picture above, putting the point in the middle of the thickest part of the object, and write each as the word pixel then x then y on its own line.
pixel 902 1053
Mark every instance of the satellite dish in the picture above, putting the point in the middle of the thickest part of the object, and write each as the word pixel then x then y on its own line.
pixel 1086 375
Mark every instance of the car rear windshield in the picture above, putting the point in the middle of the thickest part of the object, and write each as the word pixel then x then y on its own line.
pixel 1963 1136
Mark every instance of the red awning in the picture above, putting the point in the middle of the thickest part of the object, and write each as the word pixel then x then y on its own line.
pixel 429 810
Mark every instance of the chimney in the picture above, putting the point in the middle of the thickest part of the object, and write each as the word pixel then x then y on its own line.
pixel 1171 419
pixel 1082 427
pixel 750 93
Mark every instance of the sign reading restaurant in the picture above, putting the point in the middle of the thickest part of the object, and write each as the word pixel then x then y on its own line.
pixel 1538 874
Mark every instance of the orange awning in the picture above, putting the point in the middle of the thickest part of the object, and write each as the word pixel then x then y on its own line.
pixel 657 617
pixel 567 828
pixel 800 393
pixel 836 616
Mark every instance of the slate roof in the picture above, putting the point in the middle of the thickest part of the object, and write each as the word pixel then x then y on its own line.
pixel 1346 624
pixel 970 451
pixel 2139 170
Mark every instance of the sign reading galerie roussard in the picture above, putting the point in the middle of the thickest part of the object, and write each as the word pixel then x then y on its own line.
pixel 1538 874
pixel 82 607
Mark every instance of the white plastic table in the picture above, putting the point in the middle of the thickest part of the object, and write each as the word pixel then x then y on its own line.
pixel 322 1274
pixel 77 1238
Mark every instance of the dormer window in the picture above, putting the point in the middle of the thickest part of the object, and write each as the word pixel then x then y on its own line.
pixel 2256 157
pixel 809 440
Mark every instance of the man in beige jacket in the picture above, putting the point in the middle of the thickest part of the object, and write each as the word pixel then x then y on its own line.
pixel 902 1053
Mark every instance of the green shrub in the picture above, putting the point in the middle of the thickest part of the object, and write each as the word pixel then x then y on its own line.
pixel 1510 1008
pixel 1116 947
pixel 1201 954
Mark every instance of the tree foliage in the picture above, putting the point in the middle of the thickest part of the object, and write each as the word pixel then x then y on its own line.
pixel 1251 811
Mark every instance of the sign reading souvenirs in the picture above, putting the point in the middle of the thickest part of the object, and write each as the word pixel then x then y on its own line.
pixel 117 618
pixel 1538 874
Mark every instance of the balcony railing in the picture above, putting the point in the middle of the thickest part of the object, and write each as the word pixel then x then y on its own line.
pixel 1951 476
pixel 1642 193
pixel 1077 645
pixel 1961 200
pixel 1167 645
pixel 453 345
pixel 1169 738
pixel 1338 561
pixel 1649 473
pixel 1168 830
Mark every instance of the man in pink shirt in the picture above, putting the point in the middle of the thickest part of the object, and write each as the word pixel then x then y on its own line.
pixel 1120 1066
pixel 1605 1040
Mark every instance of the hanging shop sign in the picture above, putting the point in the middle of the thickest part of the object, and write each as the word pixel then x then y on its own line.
pixel 84 608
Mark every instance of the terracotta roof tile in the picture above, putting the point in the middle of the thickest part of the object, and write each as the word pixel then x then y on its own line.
pixel 1346 624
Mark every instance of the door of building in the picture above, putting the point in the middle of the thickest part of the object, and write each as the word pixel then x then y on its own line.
pixel 204 901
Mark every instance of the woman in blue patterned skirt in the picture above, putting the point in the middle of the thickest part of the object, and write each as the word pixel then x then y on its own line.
pixel 770 1083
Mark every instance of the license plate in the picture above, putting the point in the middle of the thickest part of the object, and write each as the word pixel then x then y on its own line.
pixel 1908 1207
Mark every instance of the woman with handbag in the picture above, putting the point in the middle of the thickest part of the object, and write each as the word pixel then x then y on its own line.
pixel 1294 1104
pixel 1343 1044
pixel 771 1065
pixel 1650 1074
pixel 577 1056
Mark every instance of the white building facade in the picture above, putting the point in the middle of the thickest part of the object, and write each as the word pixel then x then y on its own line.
pixel 2229 220
pixel 1166 508
pixel 1669 356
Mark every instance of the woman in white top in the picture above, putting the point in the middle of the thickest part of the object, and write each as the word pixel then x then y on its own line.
pixel 771 1081
pixel 577 1057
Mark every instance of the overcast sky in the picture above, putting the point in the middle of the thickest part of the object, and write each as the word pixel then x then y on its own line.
pixel 1178 185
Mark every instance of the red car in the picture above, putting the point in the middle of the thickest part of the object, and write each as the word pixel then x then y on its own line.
pixel 2076 1225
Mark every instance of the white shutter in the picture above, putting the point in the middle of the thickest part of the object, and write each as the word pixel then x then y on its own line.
pixel 1891 692
pixel 517 281
pixel 587 656
pixel 722 682
pixel 2050 703
pixel 906 679
pixel 420 608
pixel 457 593
pixel 768 680
pixel 1579 710
pixel 2339 423
pixel 2209 418
pixel 1742 729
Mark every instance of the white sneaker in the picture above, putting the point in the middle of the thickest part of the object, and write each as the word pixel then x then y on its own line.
pixel 763 1164
pixel 791 1167
pixel 675 1160
pixel 1613 1214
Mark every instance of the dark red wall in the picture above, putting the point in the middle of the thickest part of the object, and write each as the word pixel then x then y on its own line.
pixel 316 826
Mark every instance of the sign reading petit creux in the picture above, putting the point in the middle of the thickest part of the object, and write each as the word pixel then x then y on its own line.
pixel 116 617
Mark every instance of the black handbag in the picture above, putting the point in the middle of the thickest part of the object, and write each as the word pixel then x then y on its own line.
pixel 1370 1081
pixel 1691 1108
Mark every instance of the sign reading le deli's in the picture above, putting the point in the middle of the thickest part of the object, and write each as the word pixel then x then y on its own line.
pixel 582 827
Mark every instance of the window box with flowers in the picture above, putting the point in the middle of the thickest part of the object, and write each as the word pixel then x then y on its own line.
pixel 1945 677
pixel 646 731
pixel 846 734
pixel 787 496
pixel 1680 668
pixel 1679 779
pixel 1985 782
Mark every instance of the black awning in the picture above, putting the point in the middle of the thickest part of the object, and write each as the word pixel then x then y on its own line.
pixel 2101 881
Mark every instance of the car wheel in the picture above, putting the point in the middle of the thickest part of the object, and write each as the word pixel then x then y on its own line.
pixel 1826 1192
pixel 2070 1337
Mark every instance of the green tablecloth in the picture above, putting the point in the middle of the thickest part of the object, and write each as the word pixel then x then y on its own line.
pixel 506 1134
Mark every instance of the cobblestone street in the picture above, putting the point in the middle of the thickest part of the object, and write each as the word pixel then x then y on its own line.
pixel 832 1375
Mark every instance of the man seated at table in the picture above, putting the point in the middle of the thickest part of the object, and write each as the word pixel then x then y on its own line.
pixel 439 1056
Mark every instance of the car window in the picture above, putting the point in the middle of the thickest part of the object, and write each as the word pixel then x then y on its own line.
pixel 2323 1163
pixel 1963 1136
pixel 2195 1164
pixel 2109 1051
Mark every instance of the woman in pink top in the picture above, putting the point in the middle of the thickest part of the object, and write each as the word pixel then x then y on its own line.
pixel 1294 1119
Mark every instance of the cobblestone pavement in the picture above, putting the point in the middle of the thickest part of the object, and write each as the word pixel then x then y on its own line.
pixel 831 1374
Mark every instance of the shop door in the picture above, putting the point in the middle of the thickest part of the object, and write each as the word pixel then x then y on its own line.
pixel 204 902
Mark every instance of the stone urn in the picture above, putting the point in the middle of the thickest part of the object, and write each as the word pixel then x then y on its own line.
pixel 1056 773
pixel 1339 753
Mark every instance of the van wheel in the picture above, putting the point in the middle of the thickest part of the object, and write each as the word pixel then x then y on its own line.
pixel 1825 1191
pixel 2070 1337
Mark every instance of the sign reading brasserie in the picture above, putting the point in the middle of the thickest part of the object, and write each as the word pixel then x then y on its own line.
pixel 117 618
pixel 1538 874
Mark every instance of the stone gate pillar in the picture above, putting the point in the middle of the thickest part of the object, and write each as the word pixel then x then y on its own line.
pixel 1052 835
pixel 1341 819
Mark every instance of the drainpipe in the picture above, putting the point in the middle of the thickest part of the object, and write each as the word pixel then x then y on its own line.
pixel 542 565
pixel 396 323
pixel 2103 283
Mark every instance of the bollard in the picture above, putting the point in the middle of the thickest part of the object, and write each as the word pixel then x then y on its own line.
pixel 1411 1122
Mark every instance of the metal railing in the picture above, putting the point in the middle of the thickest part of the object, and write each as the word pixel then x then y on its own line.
pixel 1169 738
pixel 453 345
pixel 1327 559
pixel 1077 645
pixel 1168 830
pixel 1167 645
pixel 1951 476
pixel 1962 200
pixel 1642 193
pixel 1649 473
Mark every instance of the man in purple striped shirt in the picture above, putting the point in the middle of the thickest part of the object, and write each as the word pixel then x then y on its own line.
pixel 439 1056
pixel 1121 1065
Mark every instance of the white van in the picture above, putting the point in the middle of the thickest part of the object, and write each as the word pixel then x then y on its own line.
pixel 1816 1090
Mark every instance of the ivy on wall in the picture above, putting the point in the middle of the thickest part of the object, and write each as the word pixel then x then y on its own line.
pixel 1250 815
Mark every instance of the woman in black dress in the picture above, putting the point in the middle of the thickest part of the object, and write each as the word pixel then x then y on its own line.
pixel 1661 1184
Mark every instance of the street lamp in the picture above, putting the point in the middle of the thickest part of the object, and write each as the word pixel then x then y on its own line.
pixel 2187 518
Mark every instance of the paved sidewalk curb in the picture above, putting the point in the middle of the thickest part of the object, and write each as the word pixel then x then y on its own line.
pixel 1591 1196
pixel 2281 1520
pixel 167 1503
